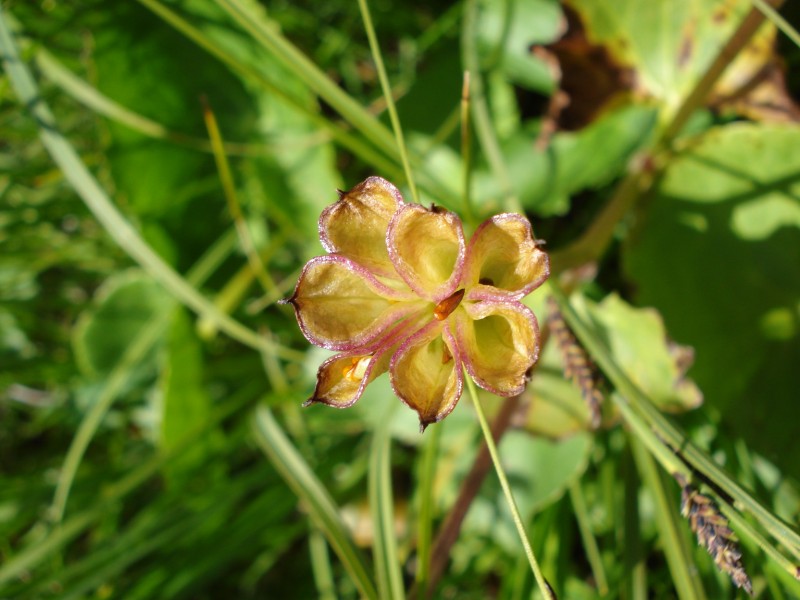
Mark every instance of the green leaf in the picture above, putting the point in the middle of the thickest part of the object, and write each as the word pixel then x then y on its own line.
pixel 186 403
pixel 718 256
pixel 640 345
pixel 669 44
pixel 123 305
pixel 544 180
pixel 508 30
pixel 132 70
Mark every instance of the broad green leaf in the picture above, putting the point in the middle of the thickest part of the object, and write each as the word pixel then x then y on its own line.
pixel 506 32
pixel 668 44
pixel 717 254
pixel 641 346
pixel 185 401
pixel 123 305
pixel 544 180
pixel 157 178
pixel 639 343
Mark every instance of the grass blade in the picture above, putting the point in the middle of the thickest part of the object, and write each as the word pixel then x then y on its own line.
pixel 299 476
pixel 387 95
pixel 670 526
pixel 381 501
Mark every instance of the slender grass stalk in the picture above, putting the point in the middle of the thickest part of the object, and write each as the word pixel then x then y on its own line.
pixel 466 150
pixel 270 437
pixel 589 542
pixel 664 438
pixel 269 37
pixel 745 529
pixel 480 110
pixel 98 202
pixel 381 501
pixel 635 577
pixel 670 526
pixel 779 22
pixel 232 198
pixel 321 565
pixel 427 476
pixel 544 587
pixel 387 94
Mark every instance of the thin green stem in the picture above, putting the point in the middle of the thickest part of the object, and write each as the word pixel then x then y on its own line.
pixel 387 94
pixel 676 548
pixel 589 542
pixel 544 587
pixel 232 198
pixel 466 149
pixel 354 144
pixel 480 110
pixel 321 565
pixel 381 499
pixel 745 529
pixel 426 506
pixel 781 23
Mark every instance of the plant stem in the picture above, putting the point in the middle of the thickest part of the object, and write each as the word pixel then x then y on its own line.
pixel 779 22
pixel 387 94
pixel 544 587
pixel 480 111
pixel 232 198
pixel 470 486
pixel 425 516
pixel 589 543
pixel 466 150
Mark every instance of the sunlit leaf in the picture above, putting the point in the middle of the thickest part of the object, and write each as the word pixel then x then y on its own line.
pixel 718 255
pixel 641 346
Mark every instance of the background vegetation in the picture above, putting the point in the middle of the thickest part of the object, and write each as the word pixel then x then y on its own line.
pixel 162 174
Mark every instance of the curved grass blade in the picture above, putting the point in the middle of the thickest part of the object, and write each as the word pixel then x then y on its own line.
pixel 299 476
pixel 676 548
pixel 136 351
pixel 62 534
pixel 381 501
pixel 387 95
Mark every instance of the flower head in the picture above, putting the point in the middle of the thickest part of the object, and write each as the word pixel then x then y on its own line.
pixel 401 290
